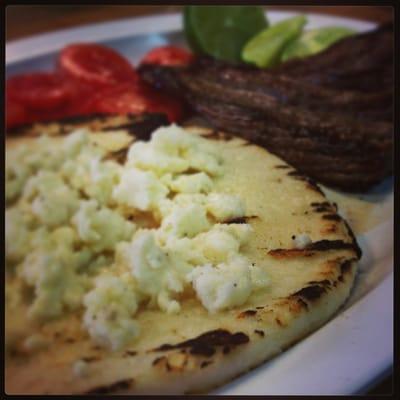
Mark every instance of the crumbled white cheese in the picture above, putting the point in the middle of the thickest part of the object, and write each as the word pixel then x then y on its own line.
pixel 194 183
pixel 186 220
pixel 68 236
pixel 145 157
pixel 18 237
pixel 57 285
pixel 223 286
pixel 110 307
pixel 75 142
pixel 302 241
pixel 221 242
pixel 157 273
pixel 225 207
pixel 139 189
pixel 51 269
pixel 92 175
pixel 172 150
pixel 101 227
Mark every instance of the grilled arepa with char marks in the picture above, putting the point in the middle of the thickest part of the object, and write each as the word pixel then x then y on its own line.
pixel 307 250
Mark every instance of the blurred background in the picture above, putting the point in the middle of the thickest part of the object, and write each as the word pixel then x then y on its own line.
pixel 22 21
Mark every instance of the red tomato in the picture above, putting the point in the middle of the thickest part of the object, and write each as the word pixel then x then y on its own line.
pixel 39 90
pixel 136 98
pixel 95 64
pixel 168 55
pixel 16 114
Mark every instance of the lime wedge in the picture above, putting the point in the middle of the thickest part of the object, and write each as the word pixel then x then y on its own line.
pixel 222 31
pixel 264 49
pixel 314 41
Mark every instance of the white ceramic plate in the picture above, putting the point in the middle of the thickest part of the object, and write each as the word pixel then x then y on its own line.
pixel 355 349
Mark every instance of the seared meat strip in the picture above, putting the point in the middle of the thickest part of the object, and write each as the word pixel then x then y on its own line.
pixel 340 136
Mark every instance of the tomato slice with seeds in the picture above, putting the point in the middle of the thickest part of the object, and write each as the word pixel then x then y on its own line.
pixel 135 98
pixel 95 64
pixel 16 114
pixel 39 90
pixel 169 56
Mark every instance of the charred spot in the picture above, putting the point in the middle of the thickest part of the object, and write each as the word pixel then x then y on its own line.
pixel 158 360
pixel 310 183
pixel 130 353
pixel 353 238
pixel 278 321
pixel 90 359
pixel 289 253
pixel 302 303
pixel 326 245
pixel 226 349
pixel 241 220
pixel 332 217
pixel 296 174
pixel 119 156
pixel 325 282
pixel 313 186
pixel 141 126
pixel 282 166
pixel 260 307
pixel 78 119
pixel 247 313
pixel 206 343
pixel 320 204
pixel 205 363
pixel 203 350
pixel 321 209
pixel 321 245
pixel 312 292
pixel 114 387
pixel 259 332
pixel 345 267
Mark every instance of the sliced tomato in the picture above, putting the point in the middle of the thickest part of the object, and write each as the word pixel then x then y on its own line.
pixel 39 90
pixel 168 55
pixel 135 98
pixel 16 114
pixel 95 64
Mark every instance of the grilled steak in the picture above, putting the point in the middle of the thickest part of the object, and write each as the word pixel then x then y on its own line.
pixel 320 118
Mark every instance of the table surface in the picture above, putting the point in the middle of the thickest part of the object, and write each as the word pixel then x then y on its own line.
pixel 22 21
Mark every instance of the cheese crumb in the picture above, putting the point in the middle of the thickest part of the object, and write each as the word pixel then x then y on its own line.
pixel 80 368
pixel 302 241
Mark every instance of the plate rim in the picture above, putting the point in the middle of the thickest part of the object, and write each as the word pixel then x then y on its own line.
pixel 39 44
pixel 20 50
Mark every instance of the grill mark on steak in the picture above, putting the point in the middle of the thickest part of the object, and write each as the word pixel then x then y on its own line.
pixel 315 113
